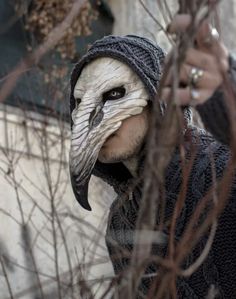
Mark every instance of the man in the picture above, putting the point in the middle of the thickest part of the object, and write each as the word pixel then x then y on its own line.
pixel 112 91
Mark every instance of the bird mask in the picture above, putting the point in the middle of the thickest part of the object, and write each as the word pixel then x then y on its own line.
pixel 106 93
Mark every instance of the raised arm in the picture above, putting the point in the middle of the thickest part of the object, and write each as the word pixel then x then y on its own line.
pixel 205 75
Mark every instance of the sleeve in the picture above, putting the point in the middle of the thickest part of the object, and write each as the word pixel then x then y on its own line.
pixel 214 112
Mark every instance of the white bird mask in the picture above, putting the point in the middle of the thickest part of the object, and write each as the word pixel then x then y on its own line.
pixel 106 93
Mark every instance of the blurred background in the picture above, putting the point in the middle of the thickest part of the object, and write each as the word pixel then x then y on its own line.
pixel 49 246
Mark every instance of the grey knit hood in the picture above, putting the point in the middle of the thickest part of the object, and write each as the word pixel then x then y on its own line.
pixel 139 53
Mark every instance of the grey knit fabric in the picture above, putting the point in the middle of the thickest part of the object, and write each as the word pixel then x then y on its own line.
pixel 144 57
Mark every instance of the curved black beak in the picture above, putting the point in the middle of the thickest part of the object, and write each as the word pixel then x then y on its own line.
pixel 81 191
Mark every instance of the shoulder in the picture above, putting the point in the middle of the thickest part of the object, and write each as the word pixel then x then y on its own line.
pixel 209 168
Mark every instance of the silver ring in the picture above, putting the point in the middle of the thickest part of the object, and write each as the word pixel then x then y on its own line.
pixel 194 76
pixel 194 95
pixel 213 36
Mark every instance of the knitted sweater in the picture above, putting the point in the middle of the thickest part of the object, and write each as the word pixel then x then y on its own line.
pixel 219 269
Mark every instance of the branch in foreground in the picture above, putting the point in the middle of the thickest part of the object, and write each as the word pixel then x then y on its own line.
pixel 53 38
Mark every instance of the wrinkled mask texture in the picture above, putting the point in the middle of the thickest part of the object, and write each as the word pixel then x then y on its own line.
pixel 106 93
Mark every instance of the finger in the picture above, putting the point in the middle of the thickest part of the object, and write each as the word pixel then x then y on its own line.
pixel 210 80
pixel 201 60
pixel 211 60
pixel 198 59
pixel 207 41
pixel 179 23
pixel 204 39
pixel 183 75
pixel 206 79
pixel 207 37
pixel 184 97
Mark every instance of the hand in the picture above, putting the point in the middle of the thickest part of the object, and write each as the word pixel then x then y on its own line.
pixel 203 69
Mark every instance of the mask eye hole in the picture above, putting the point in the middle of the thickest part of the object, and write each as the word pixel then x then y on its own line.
pixel 77 102
pixel 114 94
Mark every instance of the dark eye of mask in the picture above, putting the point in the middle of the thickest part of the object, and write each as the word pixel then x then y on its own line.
pixel 114 94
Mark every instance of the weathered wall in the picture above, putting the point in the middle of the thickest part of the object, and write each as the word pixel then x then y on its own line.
pixel 35 191
pixel 131 18
pixel 227 14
